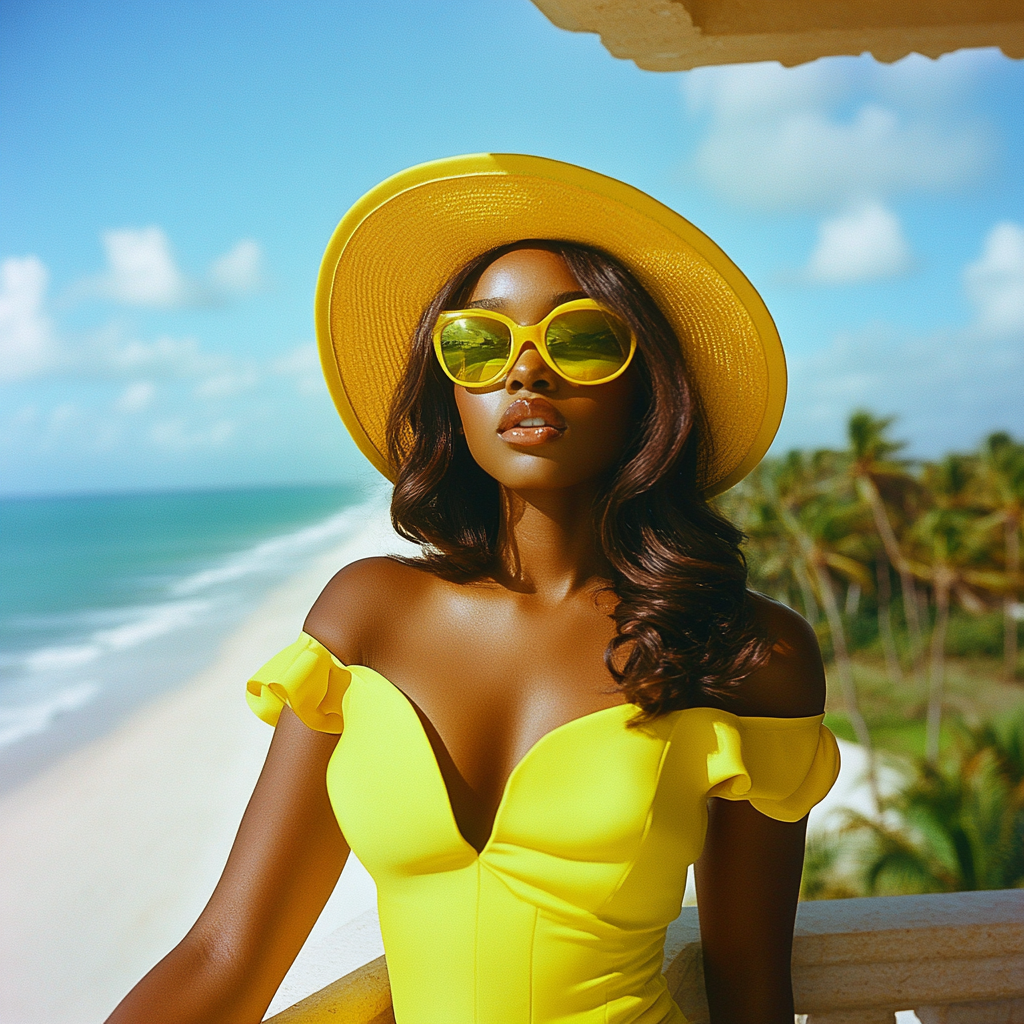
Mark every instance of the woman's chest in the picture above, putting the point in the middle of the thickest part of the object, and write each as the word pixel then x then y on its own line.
pixel 488 680
pixel 573 818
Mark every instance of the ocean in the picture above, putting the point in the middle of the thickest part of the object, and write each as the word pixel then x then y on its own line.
pixel 108 600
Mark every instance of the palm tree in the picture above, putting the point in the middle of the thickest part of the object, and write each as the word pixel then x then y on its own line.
pixel 951 557
pixel 874 459
pixel 1004 464
pixel 804 524
pixel 959 824
pixel 826 876
pixel 772 558
pixel 822 522
pixel 884 603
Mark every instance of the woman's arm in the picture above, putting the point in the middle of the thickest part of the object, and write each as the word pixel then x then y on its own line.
pixel 748 875
pixel 283 866
pixel 748 880
pixel 285 860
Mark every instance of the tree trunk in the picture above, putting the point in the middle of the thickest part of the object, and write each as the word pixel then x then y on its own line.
pixel 1012 527
pixel 844 667
pixel 937 668
pixel 806 592
pixel 892 658
pixel 911 613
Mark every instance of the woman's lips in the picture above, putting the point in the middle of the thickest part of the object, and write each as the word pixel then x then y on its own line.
pixel 531 421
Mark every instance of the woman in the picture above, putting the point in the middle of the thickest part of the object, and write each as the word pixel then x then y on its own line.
pixel 571 696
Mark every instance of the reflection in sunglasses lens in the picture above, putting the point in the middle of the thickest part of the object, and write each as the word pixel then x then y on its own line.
pixel 586 344
pixel 475 348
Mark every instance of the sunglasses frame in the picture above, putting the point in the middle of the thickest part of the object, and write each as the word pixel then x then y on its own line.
pixel 521 334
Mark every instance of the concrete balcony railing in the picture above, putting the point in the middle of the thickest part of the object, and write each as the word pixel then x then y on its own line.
pixel 954 958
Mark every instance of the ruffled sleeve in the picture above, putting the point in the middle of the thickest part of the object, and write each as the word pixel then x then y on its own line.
pixel 306 677
pixel 783 766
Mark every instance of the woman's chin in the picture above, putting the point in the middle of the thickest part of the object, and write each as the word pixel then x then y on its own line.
pixel 541 467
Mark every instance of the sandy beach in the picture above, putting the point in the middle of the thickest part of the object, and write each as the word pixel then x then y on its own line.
pixel 111 853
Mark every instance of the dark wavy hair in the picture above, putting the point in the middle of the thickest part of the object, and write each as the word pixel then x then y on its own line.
pixel 686 631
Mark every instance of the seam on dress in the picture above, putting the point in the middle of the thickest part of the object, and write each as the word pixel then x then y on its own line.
pixel 627 871
pixel 533 946
pixel 476 948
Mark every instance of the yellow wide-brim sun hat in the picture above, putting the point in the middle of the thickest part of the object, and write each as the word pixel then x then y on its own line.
pixel 403 240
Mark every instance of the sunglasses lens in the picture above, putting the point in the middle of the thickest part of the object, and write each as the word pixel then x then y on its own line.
pixel 587 344
pixel 475 348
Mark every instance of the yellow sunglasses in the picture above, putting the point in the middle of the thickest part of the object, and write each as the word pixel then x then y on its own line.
pixel 580 340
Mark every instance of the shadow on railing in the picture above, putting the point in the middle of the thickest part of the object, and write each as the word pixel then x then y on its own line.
pixel 954 958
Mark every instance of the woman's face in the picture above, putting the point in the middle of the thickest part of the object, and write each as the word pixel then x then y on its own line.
pixel 536 430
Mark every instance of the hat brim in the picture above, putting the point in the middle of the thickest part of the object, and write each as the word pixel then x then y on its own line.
pixel 403 240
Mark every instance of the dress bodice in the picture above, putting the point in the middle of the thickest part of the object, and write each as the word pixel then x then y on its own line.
pixel 562 915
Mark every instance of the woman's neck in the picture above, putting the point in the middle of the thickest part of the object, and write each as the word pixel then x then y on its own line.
pixel 547 543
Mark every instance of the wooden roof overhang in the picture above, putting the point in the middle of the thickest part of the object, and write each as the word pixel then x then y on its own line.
pixel 675 35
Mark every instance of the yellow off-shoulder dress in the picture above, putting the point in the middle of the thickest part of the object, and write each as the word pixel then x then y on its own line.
pixel 562 916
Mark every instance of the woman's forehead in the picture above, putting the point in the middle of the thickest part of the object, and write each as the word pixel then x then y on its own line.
pixel 524 275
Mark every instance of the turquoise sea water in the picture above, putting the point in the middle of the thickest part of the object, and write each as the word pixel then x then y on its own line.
pixel 105 600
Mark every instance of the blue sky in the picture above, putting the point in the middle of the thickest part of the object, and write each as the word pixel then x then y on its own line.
pixel 172 172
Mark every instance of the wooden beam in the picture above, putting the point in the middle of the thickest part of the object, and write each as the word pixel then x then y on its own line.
pixel 675 35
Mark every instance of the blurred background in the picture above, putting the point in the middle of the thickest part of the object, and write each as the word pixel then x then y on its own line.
pixel 170 458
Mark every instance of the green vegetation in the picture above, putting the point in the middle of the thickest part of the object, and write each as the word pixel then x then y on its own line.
pixel 911 574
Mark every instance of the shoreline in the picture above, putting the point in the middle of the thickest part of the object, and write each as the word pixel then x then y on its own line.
pixel 134 595
pixel 111 853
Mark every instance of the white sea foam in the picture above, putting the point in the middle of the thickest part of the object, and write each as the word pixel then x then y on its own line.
pixel 17 723
pixel 135 626
pixel 278 551
pixel 157 620
pixel 144 623
pixel 54 659
pixel 102 632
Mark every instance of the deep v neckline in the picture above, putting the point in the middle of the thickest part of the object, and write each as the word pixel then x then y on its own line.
pixel 364 671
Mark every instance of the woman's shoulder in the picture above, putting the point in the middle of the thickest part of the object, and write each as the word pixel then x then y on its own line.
pixel 348 615
pixel 791 683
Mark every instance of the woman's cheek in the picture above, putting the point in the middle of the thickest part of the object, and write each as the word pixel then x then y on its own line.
pixel 480 415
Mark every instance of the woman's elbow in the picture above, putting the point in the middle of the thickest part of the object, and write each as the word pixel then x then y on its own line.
pixel 206 979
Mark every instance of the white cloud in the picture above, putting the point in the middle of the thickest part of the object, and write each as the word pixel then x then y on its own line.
pixel 778 138
pixel 176 434
pixel 738 92
pixel 30 345
pixel 136 397
pixel 30 428
pixel 949 388
pixel 302 364
pixel 924 83
pixel 164 357
pixel 995 281
pixel 864 244
pixel 240 270
pixel 142 271
pixel 226 385
pixel 26 333
pixel 301 359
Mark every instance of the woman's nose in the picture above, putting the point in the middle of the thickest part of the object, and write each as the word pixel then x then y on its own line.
pixel 531 373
